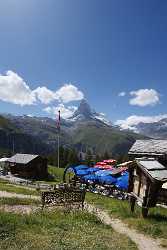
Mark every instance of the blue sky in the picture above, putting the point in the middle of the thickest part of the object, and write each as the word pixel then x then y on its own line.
pixel 96 49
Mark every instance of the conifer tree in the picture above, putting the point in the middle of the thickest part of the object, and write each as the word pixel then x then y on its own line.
pixel 88 157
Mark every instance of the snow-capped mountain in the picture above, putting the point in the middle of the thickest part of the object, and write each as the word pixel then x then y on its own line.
pixel 156 130
pixel 84 112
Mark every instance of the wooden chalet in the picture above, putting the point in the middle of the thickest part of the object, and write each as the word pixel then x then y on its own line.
pixel 148 174
pixel 28 166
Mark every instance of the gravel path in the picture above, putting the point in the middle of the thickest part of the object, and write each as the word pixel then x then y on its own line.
pixel 142 241
pixel 21 196
pixel 19 209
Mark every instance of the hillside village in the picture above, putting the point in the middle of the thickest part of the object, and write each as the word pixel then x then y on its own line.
pixel 29 185
pixel 83 125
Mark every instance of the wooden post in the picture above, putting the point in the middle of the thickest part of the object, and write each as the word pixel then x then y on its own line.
pixel 58 151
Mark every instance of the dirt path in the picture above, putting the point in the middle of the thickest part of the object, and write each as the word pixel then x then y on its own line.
pixel 20 186
pixel 21 196
pixel 143 242
pixel 19 209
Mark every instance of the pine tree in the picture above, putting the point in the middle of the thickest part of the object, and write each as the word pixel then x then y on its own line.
pixel 72 157
pixel 106 156
pixel 65 156
pixel 88 157
pixel 61 156
pixel 98 158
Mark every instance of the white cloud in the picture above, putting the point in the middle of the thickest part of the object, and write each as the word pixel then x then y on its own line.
pixel 13 89
pixel 121 94
pixel 144 97
pixel 65 112
pixel 69 93
pixel 45 95
pixel 131 121
pixel 65 94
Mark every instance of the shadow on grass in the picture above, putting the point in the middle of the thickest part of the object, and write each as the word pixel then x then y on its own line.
pixel 157 217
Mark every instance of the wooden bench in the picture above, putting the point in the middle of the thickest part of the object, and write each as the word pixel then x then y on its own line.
pixel 68 197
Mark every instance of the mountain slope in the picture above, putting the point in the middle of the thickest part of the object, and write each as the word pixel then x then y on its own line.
pixel 102 138
pixel 6 125
pixel 86 129
pixel 13 139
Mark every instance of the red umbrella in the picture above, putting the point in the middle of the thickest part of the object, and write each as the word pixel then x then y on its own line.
pixel 110 161
pixel 106 167
pixel 101 163
pixel 98 166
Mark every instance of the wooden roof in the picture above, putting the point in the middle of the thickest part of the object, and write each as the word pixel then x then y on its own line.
pixel 153 169
pixel 22 158
pixel 149 147
pixel 4 159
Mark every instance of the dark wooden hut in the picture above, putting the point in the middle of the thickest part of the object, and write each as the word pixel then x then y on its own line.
pixel 148 173
pixel 28 166
pixel 146 178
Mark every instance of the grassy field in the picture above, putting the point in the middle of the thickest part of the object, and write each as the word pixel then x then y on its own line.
pixel 6 186
pixel 54 230
pixel 56 172
pixel 58 230
pixel 155 225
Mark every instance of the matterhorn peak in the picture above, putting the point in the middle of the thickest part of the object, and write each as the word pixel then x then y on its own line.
pixel 83 109
pixel 85 112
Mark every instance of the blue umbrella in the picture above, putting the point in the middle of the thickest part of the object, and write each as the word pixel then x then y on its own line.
pixel 81 167
pixel 86 171
pixel 93 170
pixel 103 172
pixel 81 172
pixel 123 181
pixel 90 177
pixel 108 179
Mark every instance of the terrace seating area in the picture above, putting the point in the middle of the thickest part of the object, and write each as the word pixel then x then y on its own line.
pixel 106 178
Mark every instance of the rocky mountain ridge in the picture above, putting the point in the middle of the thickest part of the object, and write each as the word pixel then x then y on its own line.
pixel 156 130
